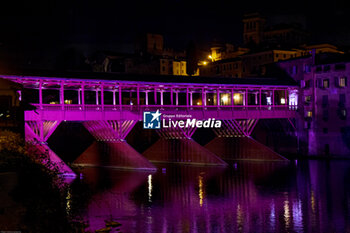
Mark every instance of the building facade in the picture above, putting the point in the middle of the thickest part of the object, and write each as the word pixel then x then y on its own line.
pixel 256 32
pixel 323 124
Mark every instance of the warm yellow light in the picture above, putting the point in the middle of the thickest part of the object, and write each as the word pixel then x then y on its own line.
pixel 283 101
pixel 224 98
pixel 205 63
pixel 201 191
pixel 210 57
pixel 236 96
pixel 68 101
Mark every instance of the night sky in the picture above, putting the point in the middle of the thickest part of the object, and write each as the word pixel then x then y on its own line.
pixel 114 25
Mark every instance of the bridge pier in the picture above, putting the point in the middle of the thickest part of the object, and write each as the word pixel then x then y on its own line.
pixel 176 146
pixel 111 149
pixel 233 142
pixel 36 134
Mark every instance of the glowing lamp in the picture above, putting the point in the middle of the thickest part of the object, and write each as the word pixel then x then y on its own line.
pixel 283 101
pixel 236 97
pixel 224 98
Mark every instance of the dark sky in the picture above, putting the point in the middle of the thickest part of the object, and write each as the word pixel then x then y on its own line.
pixel 114 24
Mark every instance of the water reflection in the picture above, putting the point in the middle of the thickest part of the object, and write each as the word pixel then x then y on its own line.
pixel 249 197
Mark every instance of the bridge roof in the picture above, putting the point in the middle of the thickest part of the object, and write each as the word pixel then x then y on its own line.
pixel 268 81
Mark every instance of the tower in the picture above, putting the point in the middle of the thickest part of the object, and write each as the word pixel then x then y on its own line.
pixel 253 28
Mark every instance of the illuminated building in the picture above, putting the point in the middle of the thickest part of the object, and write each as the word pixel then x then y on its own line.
pixel 170 66
pixel 231 67
pixel 323 124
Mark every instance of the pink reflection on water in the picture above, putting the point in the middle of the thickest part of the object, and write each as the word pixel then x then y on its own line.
pixel 257 197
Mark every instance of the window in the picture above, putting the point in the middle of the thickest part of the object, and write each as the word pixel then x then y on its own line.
pixel 307 99
pixel 342 114
pixel 307 68
pixel 325 101
pixel 325 83
pixel 319 69
pixel 308 83
pixel 307 125
pixel 326 68
pixel 325 114
pixel 325 130
pixel 342 82
pixel 342 100
pixel 295 69
pixel 309 113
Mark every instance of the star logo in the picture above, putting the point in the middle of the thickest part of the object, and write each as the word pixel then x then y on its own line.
pixel 156 115
pixel 151 120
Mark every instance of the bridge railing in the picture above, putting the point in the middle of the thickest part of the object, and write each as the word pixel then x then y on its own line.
pixel 137 108
pixel 75 112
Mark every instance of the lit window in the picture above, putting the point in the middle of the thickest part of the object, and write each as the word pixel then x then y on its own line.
pixel 309 114
pixel 308 99
pixel 343 112
pixel 342 82
pixel 325 83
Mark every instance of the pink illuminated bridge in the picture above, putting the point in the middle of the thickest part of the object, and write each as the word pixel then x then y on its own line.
pixel 109 105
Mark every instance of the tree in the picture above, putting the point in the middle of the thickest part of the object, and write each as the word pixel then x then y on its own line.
pixel 191 59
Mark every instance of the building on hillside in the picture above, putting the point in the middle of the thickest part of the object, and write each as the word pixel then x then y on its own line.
pixel 150 43
pixel 322 48
pixel 170 66
pixel 220 51
pixel 249 64
pixel 256 32
pixel 323 124
pixel 151 57
pixel 253 64
pixel 231 67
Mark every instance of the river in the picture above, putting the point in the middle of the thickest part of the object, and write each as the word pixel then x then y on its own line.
pixel 295 196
